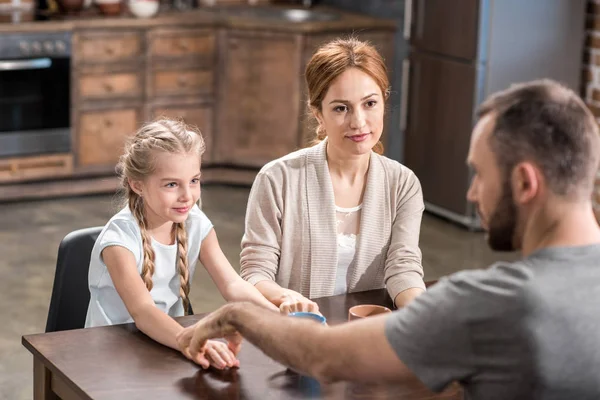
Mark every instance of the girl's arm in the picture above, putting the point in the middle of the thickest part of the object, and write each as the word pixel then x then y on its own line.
pixel 136 297
pixel 231 286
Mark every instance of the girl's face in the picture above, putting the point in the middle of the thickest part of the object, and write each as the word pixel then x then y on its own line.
pixel 352 113
pixel 172 190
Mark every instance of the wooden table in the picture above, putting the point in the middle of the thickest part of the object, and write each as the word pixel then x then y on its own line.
pixel 119 362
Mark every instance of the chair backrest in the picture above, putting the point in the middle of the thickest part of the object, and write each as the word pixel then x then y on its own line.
pixel 70 293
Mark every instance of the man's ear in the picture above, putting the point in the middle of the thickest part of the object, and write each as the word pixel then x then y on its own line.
pixel 136 186
pixel 527 181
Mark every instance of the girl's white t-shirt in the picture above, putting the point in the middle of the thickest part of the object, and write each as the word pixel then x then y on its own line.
pixel 106 306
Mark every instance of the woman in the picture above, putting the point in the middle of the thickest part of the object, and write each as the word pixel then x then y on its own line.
pixel 336 217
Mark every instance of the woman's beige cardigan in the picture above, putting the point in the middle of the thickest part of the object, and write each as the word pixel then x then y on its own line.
pixel 291 236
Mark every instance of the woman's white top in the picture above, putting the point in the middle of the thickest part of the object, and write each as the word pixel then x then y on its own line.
pixel 348 225
pixel 106 306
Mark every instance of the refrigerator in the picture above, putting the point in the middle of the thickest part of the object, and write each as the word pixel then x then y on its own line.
pixel 460 52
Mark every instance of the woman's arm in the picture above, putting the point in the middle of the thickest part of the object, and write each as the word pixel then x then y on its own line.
pixel 121 266
pixel 403 269
pixel 231 286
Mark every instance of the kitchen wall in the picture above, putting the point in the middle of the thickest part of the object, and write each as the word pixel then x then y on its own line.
pixel 591 74
pixel 392 9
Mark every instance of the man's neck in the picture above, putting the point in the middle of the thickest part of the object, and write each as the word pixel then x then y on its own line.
pixel 564 224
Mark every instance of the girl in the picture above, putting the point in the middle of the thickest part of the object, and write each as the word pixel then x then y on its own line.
pixel 144 258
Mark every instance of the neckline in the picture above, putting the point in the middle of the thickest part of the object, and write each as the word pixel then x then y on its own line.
pixel 348 210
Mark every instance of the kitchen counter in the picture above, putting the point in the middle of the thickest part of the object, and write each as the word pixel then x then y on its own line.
pixel 208 16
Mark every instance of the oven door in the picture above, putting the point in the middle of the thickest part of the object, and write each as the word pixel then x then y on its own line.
pixel 34 106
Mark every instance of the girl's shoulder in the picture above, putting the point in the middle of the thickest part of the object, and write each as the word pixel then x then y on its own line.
pixel 122 227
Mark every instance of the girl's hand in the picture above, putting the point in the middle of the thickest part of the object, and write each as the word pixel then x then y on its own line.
pixel 213 353
pixel 293 302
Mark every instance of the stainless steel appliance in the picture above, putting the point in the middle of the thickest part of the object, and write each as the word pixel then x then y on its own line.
pixel 35 93
pixel 461 52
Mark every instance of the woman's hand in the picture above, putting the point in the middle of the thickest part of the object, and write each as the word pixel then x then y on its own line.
pixel 293 302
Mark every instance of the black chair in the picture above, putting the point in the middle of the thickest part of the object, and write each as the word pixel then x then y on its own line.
pixel 70 293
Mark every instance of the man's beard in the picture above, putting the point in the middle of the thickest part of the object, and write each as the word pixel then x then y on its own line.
pixel 503 222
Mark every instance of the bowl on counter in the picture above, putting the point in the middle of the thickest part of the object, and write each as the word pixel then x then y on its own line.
pixel 143 8
pixel 109 7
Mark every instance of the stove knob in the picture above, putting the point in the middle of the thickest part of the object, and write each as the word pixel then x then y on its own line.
pixel 49 47
pixel 60 46
pixel 24 46
pixel 36 47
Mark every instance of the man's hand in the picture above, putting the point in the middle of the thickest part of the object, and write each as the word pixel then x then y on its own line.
pixel 192 341
pixel 293 301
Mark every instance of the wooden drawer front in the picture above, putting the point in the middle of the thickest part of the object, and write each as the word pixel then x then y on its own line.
pixel 102 135
pixel 108 47
pixel 172 83
pixel 198 115
pixel 110 85
pixel 182 43
pixel 20 169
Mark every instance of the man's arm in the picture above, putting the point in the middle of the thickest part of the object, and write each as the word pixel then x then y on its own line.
pixel 357 351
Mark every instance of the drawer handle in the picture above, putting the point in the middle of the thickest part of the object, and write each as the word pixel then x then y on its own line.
pixel 14 169
pixel 108 123
pixel 108 87
pixel 182 45
pixel 109 50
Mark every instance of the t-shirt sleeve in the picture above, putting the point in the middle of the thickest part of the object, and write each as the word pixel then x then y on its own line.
pixel 202 224
pixel 430 338
pixel 122 233
pixel 467 319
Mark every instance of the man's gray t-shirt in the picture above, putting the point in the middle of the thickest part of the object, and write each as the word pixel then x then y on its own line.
pixel 523 330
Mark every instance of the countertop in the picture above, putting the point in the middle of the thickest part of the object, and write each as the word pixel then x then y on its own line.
pixel 203 17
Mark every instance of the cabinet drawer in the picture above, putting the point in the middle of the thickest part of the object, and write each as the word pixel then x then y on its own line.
pixel 178 82
pixel 104 86
pixel 105 47
pixel 101 135
pixel 200 115
pixel 20 169
pixel 169 43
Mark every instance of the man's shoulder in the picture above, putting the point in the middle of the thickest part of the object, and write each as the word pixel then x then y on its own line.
pixel 502 283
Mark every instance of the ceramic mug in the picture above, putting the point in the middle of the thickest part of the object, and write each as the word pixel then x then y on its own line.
pixel 366 310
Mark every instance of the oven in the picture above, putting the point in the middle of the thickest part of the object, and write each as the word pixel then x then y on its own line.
pixel 35 94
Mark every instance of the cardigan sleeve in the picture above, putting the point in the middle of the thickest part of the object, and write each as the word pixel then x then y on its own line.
pixel 261 243
pixel 403 269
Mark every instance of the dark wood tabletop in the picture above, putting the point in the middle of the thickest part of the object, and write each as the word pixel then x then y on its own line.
pixel 119 362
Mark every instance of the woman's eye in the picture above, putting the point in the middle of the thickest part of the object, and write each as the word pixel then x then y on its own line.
pixel 195 180
pixel 371 103
pixel 340 109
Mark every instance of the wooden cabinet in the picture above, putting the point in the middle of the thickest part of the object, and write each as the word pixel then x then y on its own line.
pixel 108 95
pixel 258 102
pixel 27 168
pixel 106 46
pixel 102 134
pixel 96 86
pixel 181 82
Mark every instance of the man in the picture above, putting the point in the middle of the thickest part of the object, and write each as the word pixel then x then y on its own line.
pixel 523 330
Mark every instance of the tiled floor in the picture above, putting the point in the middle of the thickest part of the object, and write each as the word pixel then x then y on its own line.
pixel 30 233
